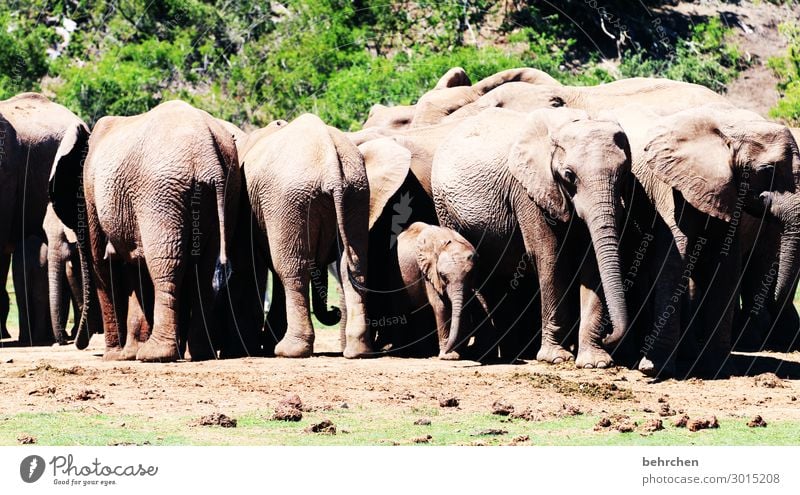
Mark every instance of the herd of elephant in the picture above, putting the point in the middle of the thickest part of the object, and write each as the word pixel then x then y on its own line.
pixel 643 222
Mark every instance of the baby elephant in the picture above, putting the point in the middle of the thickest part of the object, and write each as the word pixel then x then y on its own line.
pixel 437 265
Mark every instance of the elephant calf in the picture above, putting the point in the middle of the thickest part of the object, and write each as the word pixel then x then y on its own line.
pixel 437 268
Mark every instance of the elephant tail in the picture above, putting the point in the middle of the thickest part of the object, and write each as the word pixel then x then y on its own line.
pixel 226 189
pixel 348 160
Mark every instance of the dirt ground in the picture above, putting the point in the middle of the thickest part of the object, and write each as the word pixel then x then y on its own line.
pixel 63 379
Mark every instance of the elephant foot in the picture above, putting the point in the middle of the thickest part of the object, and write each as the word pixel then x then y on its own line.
pixel 156 351
pixel 657 369
pixel 593 358
pixel 113 354
pixel 129 351
pixel 450 356
pixel 357 349
pixel 201 353
pixel 294 348
pixel 553 354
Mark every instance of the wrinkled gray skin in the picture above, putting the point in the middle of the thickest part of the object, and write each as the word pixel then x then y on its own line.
pixel 661 96
pixel 452 92
pixel 65 286
pixel 31 128
pixel 29 268
pixel 770 241
pixel 701 169
pixel 437 269
pixel 306 185
pixel 161 191
pixel 509 183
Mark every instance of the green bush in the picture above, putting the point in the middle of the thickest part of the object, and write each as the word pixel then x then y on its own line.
pixel 23 58
pixel 251 61
pixel 705 58
pixel 787 70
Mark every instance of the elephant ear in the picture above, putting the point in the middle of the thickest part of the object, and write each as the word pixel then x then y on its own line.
pixel 65 187
pixel 452 78
pixel 530 162
pixel 428 250
pixel 387 165
pixel 693 155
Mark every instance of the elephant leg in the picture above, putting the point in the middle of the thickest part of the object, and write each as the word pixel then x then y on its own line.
pixel 291 253
pixel 721 294
pixel 20 274
pixel 74 297
pixel 353 268
pixel 42 326
pixel 163 345
pixel 662 335
pixel 5 302
pixel 110 280
pixel 555 310
pixel 591 353
pixel 201 341
pixel 275 324
pixel 299 338
pixel 137 327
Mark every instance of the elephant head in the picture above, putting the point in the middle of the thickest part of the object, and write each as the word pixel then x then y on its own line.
pixel 447 261
pixel 723 161
pixel 567 161
pixel 785 207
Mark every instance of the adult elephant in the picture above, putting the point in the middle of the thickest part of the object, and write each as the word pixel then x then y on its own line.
pixel 698 172
pixel 662 96
pixel 161 193
pixel 510 183
pixel 65 286
pixel 308 191
pixel 452 92
pixel 771 263
pixel 31 128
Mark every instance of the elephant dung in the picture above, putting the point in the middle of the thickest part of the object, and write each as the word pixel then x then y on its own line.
pixel 501 408
pixel 325 427
pixel 757 422
pixel 215 419
pixel 702 424
pixel 448 402
pixel 25 439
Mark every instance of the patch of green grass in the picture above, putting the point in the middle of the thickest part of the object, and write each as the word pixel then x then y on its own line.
pixel 372 427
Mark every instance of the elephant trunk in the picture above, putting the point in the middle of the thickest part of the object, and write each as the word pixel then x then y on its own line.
pixel 456 296
pixel 786 207
pixel 789 265
pixel 319 299
pixel 83 335
pixel 59 301
pixel 605 238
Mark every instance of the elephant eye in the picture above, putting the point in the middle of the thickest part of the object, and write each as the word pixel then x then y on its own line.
pixel 570 176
